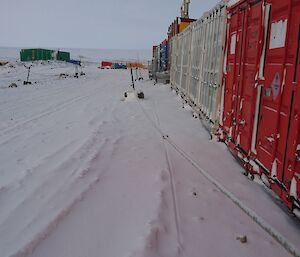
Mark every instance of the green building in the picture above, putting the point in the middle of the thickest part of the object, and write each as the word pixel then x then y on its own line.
pixel 63 56
pixel 37 54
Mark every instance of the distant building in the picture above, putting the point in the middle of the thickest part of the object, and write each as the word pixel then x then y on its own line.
pixel 37 54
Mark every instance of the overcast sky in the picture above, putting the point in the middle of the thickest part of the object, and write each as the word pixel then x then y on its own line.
pixel 111 24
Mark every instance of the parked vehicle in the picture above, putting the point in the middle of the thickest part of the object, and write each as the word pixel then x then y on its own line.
pixel 76 62
pixel 118 66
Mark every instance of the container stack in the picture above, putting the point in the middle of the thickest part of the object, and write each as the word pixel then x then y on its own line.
pixel 161 54
pixel 237 66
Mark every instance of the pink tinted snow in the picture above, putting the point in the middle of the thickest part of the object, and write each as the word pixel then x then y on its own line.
pixel 84 173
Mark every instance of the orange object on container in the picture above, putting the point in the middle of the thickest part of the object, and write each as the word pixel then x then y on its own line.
pixel 135 65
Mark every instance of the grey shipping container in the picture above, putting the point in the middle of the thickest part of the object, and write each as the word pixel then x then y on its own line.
pixel 197 61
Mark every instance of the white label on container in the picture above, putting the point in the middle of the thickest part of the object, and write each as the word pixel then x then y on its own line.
pixel 233 43
pixel 278 34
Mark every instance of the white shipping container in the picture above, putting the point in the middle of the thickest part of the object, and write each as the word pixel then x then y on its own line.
pixel 186 59
pixel 176 62
pixel 197 73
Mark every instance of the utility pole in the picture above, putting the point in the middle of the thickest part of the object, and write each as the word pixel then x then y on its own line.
pixel 27 80
pixel 132 80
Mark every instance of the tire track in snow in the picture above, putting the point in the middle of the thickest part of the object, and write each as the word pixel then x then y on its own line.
pixel 173 188
pixel 94 122
pixel 81 178
pixel 57 108
pixel 288 246
pixel 16 183
pixel 4 103
pixel 30 101
pixel 43 184
pixel 72 157
pixel 170 169
pixel 42 235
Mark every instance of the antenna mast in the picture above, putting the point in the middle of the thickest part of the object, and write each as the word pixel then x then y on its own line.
pixel 185 8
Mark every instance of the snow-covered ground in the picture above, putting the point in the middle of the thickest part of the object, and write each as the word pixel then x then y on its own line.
pixel 85 173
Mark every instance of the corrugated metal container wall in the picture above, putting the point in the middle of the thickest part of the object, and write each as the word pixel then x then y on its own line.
pixel 244 39
pixel 186 37
pixel 169 54
pixel 163 56
pixel 211 41
pixel 44 54
pixel 176 61
pixel 155 60
pixel 63 56
pixel 25 55
pixel 197 52
pixel 172 31
pixel 197 71
pixel 28 55
pixel 178 25
pixel 36 54
pixel 173 61
pixel 261 101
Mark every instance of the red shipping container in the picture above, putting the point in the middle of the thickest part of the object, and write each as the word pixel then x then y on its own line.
pixel 278 126
pixel 106 65
pixel 261 110
pixel 243 41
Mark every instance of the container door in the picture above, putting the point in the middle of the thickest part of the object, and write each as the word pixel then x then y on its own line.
pixel 179 61
pixel 195 63
pixel 278 94
pixel 203 62
pixel 246 90
pixel 187 36
pixel 288 153
pixel 236 34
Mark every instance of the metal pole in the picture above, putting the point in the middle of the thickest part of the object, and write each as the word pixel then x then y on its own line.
pixel 28 73
pixel 136 74
pixel 132 80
